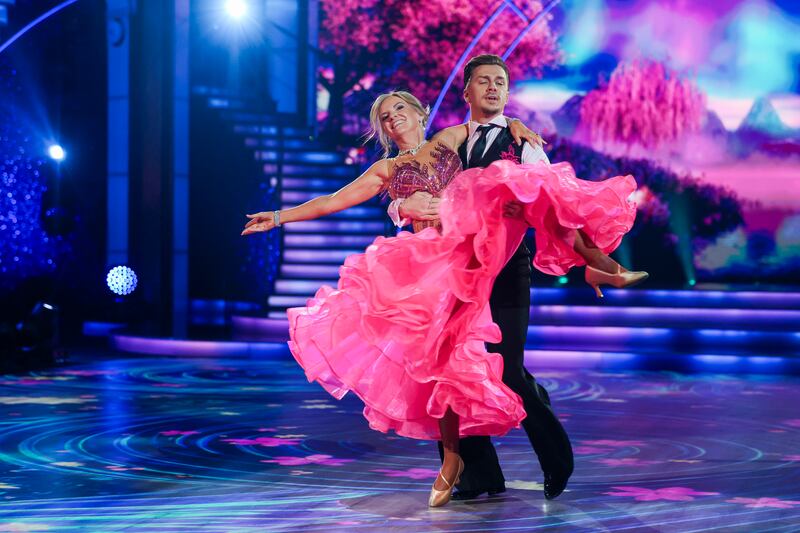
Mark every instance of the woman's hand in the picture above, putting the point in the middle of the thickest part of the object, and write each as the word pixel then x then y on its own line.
pixel 263 221
pixel 521 132
pixel 514 209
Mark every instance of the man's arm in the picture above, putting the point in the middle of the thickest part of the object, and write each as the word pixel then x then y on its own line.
pixel 533 154
pixel 530 155
pixel 452 136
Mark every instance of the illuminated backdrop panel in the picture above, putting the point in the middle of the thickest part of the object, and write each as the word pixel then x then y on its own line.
pixel 699 100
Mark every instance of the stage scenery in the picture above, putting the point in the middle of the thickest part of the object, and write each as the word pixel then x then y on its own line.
pixel 400 265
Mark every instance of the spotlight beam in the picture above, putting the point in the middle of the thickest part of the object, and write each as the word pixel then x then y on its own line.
pixel 35 22
pixel 549 7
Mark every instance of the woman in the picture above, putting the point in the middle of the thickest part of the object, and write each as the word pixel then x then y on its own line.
pixel 406 328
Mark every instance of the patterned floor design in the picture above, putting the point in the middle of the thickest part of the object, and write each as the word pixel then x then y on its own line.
pixel 194 444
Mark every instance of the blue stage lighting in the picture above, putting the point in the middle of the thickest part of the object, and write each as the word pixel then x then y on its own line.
pixel 56 152
pixel 236 8
pixel 121 280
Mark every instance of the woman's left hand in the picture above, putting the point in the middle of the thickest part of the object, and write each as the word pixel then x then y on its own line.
pixel 521 132
pixel 263 221
pixel 513 209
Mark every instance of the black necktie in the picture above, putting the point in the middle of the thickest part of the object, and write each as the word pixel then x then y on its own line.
pixel 480 145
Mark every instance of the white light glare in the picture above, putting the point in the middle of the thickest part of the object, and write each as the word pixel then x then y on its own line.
pixel 56 152
pixel 236 8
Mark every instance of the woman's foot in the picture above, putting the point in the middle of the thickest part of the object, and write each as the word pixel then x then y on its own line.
pixel 619 277
pixel 601 269
pixel 448 477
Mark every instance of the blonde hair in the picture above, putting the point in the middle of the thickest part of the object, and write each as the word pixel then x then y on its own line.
pixel 376 128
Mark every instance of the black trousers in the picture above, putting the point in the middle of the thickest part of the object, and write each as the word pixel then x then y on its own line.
pixel 546 434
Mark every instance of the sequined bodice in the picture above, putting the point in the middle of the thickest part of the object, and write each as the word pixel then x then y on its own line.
pixel 430 171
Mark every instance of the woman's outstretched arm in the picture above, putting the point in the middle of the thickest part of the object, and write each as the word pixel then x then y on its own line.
pixel 366 186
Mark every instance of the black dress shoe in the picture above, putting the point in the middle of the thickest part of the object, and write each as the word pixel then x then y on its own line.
pixel 463 495
pixel 554 485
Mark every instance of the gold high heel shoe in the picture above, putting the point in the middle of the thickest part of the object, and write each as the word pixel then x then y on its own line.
pixel 620 279
pixel 441 497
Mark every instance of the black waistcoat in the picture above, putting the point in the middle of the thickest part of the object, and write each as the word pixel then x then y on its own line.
pixel 512 287
pixel 501 144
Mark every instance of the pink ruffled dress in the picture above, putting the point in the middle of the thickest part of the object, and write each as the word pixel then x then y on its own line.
pixel 407 325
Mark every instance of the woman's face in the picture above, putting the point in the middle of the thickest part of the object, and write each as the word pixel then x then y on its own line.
pixel 398 117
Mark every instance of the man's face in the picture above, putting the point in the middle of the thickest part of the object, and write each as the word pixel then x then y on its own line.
pixel 487 90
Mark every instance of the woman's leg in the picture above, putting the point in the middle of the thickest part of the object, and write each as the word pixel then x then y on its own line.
pixel 452 465
pixel 593 256
pixel 448 425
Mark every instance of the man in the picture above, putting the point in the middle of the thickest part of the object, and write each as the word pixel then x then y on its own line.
pixel 486 87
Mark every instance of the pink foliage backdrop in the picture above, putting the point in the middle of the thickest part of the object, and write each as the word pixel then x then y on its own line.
pixel 643 104
pixel 425 40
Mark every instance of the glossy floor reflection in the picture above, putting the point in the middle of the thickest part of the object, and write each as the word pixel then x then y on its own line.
pixel 245 445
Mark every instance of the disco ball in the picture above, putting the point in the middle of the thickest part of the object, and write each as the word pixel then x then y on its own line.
pixel 121 280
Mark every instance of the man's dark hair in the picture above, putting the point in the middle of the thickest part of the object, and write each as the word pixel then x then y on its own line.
pixel 485 59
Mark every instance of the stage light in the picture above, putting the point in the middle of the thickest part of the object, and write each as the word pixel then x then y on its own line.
pixel 236 8
pixel 563 280
pixel 692 282
pixel 56 152
pixel 121 280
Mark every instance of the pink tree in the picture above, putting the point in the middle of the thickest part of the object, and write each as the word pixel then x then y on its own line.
pixel 435 34
pixel 644 104
pixel 354 43
pixel 414 45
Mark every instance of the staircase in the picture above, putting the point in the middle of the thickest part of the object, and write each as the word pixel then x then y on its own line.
pixel 313 250
pixel 300 168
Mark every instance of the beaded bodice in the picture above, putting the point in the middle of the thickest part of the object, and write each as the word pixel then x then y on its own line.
pixel 430 170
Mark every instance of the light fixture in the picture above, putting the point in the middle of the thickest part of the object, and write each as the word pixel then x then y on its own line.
pixel 121 280
pixel 56 152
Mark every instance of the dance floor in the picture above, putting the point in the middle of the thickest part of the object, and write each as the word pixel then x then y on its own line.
pixel 196 444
